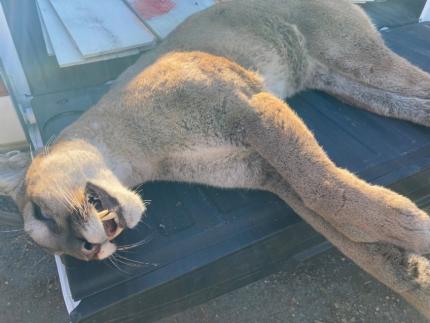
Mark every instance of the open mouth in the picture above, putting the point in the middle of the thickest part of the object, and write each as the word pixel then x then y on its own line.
pixel 111 223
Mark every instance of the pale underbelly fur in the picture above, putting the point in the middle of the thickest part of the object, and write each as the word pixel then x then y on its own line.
pixel 224 166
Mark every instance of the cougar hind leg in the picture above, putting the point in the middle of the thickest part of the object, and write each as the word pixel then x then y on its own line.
pixel 405 273
pixel 360 211
pixel 373 99
pixel 375 66
pixel 347 43
pixel 352 62
pixel 280 137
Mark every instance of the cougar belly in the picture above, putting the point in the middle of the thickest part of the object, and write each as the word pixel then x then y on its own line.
pixel 276 76
pixel 225 166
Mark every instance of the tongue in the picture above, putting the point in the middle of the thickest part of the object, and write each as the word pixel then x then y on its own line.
pixel 110 227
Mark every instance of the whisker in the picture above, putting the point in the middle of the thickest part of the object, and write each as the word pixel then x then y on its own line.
pixel 12 231
pixel 117 267
pixel 147 239
pixel 68 200
pixel 74 201
pixel 129 262
pixel 127 251
pixel 19 236
pixel 45 257
pixel 137 262
pixel 126 263
pixel 137 189
pixel 26 238
pixel 48 144
pixel 142 220
pixel 134 245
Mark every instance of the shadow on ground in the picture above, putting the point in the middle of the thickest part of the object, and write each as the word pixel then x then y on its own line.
pixel 327 288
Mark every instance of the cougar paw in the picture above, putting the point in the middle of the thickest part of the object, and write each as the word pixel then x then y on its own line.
pixel 405 225
pixel 419 111
pixel 377 214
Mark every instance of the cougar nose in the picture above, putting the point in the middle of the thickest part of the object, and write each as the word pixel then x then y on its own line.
pixel 90 250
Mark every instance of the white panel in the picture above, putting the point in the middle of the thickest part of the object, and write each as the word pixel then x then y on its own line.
pixel 425 15
pixel 102 26
pixel 48 44
pixel 70 303
pixel 163 16
pixel 66 52
pixel 10 128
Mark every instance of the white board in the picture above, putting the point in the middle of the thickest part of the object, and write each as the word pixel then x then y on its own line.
pixel 425 15
pixel 66 52
pixel 48 44
pixel 102 26
pixel 162 16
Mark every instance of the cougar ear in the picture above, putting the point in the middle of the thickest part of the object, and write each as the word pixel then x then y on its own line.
pixel 13 167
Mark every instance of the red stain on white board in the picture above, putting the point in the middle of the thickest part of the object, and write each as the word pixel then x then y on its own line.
pixel 148 9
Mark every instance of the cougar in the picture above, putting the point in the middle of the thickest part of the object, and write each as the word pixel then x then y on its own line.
pixel 206 106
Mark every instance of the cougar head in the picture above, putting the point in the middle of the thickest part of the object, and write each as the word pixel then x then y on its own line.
pixel 71 202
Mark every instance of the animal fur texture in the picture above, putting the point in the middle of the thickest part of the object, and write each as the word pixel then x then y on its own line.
pixel 205 107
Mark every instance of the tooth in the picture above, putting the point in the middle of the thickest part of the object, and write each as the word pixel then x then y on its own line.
pixel 109 216
pixel 102 214
pixel 117 233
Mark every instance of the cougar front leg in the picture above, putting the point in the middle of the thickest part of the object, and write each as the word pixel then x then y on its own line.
pixel 360 211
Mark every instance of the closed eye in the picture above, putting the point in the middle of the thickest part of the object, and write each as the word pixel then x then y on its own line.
pixel 39 215
pixel 50 222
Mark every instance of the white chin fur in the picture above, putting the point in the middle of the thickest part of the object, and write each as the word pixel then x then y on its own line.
pixel 106 250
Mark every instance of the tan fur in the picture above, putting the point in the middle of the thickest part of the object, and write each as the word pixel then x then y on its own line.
pixel 202 107
pixel 13 166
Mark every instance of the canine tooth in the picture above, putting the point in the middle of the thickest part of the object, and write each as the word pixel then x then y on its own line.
pixel 109 216
pixel 102 214
pixel 117 233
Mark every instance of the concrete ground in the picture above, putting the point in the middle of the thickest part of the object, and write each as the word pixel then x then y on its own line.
pixel 327 288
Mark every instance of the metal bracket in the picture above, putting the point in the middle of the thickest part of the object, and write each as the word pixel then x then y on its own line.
pixel 17 84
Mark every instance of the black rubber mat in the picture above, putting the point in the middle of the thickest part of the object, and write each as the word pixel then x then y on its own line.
pixel 394 13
